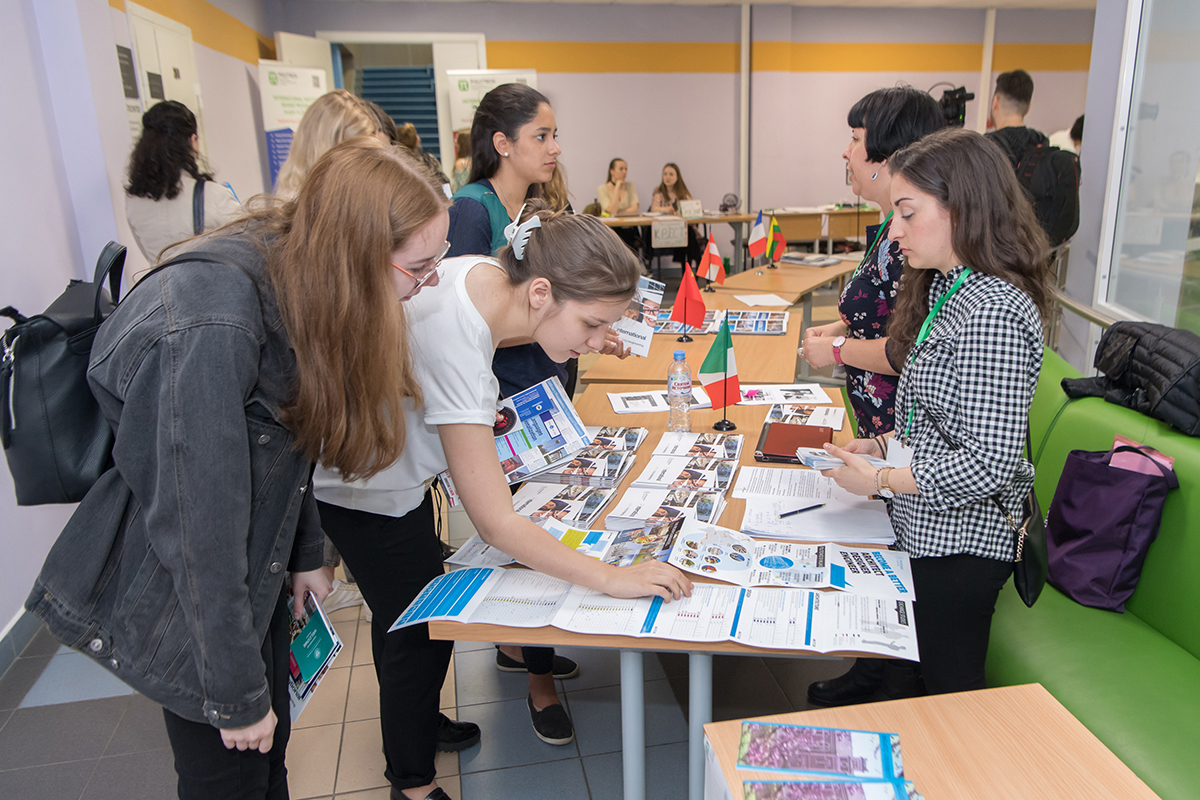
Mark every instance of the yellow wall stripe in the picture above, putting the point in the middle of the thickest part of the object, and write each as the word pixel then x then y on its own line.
pixel 212 27
pixel 1050 57
pixel 913 57
pixel 614 56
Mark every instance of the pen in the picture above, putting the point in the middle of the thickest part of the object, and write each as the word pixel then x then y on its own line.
pixel 800 510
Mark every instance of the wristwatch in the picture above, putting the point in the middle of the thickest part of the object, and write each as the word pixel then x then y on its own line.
pixel 881 483
pixel 837 348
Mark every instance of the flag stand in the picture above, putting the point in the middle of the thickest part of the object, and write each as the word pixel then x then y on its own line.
pixel 723 424
pixel 683 337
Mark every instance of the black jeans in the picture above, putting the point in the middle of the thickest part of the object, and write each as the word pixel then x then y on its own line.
pixel 956 596
pixel 393 559
pixel 206 769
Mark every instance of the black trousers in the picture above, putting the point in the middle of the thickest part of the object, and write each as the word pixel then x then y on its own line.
pixel 956 596
pixel 206 769
pixel 393 559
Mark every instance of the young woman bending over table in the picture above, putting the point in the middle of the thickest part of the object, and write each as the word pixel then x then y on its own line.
pixel 224 379
pixel 968 328
pixel 564 280
pixel 880 124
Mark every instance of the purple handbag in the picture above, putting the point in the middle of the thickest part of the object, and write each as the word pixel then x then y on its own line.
pixel 1101 524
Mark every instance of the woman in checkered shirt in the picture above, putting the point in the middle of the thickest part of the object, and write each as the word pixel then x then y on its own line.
pixel 968 330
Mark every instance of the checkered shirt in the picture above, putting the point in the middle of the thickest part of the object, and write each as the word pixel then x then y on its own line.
pixel 975 375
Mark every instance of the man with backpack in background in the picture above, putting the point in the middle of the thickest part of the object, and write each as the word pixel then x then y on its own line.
pixel 1050 176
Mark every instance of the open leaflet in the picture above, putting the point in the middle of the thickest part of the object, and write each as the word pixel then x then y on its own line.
pixel 535 429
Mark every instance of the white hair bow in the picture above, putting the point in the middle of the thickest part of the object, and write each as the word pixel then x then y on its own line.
pixel 518 235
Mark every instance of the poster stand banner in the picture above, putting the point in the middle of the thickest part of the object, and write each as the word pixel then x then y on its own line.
pixel 286 93
pixel 468 86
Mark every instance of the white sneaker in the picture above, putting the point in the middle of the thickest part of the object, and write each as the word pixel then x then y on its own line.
pixel 344 595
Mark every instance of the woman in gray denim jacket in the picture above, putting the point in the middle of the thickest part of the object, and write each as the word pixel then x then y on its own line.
pixel 279 342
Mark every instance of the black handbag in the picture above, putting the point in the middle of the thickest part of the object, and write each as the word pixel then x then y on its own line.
pixel 55 438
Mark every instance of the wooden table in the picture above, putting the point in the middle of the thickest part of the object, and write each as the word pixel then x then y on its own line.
pixel 814 224
pixel 736 221
pixel 761 358
pixel 1012 741
pixel 593 406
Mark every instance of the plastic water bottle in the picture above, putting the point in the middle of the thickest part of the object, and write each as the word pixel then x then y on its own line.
pixel 679 395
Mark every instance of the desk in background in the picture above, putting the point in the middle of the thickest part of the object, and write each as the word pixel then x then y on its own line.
pixel 814 224
pixel 1015 741
pixel 738 222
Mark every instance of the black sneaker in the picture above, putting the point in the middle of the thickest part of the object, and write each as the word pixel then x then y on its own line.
pixel 454 736
pixel 551 724
pixel 563 667
pixel 447 550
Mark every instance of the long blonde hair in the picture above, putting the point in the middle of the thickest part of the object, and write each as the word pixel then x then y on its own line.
pixel 333 118
pixel 329 256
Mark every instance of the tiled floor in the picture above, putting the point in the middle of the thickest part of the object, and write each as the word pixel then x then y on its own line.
pixel 68 731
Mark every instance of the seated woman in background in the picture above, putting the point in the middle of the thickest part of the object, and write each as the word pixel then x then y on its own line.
pixel 665 200
pixel 618 198
pixel 168 198
pixel 881 123
pixel 968 331
pixel 333 118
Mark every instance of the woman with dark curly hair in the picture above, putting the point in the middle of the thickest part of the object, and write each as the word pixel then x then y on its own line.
pixel 168 198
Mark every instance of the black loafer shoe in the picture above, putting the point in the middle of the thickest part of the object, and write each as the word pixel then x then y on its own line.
pixel 563 667
pixel 437 794
pixel 859 685
pixel 551 724
pixel 454 736
pixel 447 551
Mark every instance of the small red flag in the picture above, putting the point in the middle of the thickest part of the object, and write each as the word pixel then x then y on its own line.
pixel 711 265
pixel 689 305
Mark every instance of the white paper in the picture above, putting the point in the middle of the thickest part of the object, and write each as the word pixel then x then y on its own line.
pixel 519 598
pixel 701 472
pixel 783 482
pixel 787 394
pixel 642 402
pixel 762 300
pixel 824 416
pixel 844 518
pixel 713 445
pixel 898 455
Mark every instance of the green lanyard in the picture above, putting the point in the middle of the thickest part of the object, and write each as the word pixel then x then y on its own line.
pixel 924 334
pixel 878 235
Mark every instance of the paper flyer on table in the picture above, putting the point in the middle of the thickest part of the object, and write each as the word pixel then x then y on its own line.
pixel 816 458
pixel 653 540
pixel 477 553
pixel 819 416
pixel 762 299
pixel 714 445
pixel 519 598
pixel 779 394
pixel 757 322
pixel 537 427
pixel 777 747
pixel 783 482
pixel 710 323
pixel 844 517
pixel 734 557
pixel 701 472
pixel 642 402
pixel 591 466
pixel 829 790
pixel 636 327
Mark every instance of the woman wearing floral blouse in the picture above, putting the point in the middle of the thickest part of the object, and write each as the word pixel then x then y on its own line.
pixel 880 124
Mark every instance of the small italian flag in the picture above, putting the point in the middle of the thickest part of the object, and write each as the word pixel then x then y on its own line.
pixel 718 373
pixel 711 266
pixel 778 244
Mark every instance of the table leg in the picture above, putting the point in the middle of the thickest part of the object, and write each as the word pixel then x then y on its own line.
pixel 739 262
pixel 699 714
pixel 633 724
pixel 805 323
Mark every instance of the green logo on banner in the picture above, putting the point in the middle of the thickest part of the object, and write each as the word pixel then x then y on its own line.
pixel 272 78
pixel 463 86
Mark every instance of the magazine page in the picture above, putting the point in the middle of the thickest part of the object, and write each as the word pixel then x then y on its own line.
pixel 779 394
pixel 821 416
pixel 637 326
pixel 536 428
pixel 701 472
pixel 778 747
pixel 714 445
pixel 314 646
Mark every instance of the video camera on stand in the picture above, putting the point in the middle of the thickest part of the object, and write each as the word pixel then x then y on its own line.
pixel 954 106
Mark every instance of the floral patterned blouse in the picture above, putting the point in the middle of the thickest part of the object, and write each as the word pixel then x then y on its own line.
pixel 865 304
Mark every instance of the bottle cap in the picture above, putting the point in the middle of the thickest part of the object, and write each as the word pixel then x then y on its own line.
pixel 679 355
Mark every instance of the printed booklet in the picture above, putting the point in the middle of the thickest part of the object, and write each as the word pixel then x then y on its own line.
pixel 637 326
pixel 617 438
pixel 639 505
pixel 477 553
pixel 535 429
pixel 591 466
pixel 574 505
pixel 643 402
pixel 699 472
pixel 315 644
pixel 831 417
pixel 712 445
pixel 820 751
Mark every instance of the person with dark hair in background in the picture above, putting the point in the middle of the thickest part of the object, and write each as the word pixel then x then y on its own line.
pixel 881 123
pixel 665 200
pixel 407 136
pixel 1069 139
pixel 1010 104
pixel 968 330
pixel 167 192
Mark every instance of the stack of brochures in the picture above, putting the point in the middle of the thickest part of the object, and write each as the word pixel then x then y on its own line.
pixel 579 506
pixel 665 324
pixel 639 505
pixel 688 445
pixel 315 644
pixel 809 259
pixel 591 466
pixel 816 458
pixel 616 438
pixel 822 763
pixel 761 322
pixel 697 472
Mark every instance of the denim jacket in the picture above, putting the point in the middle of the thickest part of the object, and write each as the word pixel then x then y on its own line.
pixel 172 565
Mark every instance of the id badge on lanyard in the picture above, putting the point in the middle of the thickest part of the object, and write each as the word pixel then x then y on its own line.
pixel 899 453
pixel 905 439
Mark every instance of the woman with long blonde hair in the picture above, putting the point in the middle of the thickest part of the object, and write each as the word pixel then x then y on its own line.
pixel 333 118
pixel 278 342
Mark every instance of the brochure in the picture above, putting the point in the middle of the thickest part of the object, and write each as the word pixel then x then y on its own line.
pixel 477 553
pixel 760 322
pixel 710 323
pixel 617 438
pixel 315 645
pixel 769 395
pixel 773 617
pixel 637 326
pixel 639 505
pixel 575 505
pixel 831 751
pixel 819 416
pixel 642 402
pixel 654 540
pixel 713 445
pixel 816 458
pixel 535 429
pixel 734 557
pixel 700 472
pixel 829 790
pixel 591 466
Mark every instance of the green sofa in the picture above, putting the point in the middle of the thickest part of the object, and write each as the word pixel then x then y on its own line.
pixel 1132 679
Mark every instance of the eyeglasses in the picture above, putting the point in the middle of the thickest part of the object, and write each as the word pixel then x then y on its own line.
pixel 436 269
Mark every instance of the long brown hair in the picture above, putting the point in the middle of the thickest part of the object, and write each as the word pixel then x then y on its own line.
pixel 681 190
pixel 993 228
pixel 329 257
pixel 580 256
